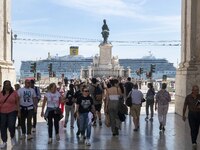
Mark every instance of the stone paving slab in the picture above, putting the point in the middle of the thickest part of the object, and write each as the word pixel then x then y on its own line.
pixel 176 136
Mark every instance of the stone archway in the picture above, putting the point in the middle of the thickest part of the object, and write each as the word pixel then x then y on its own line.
pixel 188 72
pixel 7 70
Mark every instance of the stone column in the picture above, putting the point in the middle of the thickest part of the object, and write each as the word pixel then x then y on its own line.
pixel 188 73
pixel 7 71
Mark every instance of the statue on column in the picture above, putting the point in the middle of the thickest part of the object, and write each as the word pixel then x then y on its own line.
pixel 105 32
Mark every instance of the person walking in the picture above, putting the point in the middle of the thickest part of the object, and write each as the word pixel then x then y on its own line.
pixel 17 87
pixel 192 102
pixel 69 105
pixel 150 101
pixel 96 92
pixel 61 90
pixel 28 104
pixel 38 97
pixel 9 109
pixel 53 99
pixel 111 106
pixel 162 104
pixel 85 111
pixel 136 96
pixel 128 87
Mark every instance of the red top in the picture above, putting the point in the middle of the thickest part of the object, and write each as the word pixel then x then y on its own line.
pixel 11 103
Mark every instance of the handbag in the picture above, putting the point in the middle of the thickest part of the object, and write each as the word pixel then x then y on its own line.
pixel 129 101
pixel 122 117
pixel 123 109
pixel 58 111
pixel 143 100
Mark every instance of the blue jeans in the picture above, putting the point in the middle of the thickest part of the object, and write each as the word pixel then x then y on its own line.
pixel 8 120
pixel 84 125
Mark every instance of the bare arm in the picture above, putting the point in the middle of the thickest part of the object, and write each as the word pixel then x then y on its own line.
pixel 18 105
pixel 184 110
pixel 43 105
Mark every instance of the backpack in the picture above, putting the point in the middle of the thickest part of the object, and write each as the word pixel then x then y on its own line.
pixel 98 93
pixel 70 96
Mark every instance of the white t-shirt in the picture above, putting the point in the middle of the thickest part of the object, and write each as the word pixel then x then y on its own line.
pixel 26 96
pixel 52 99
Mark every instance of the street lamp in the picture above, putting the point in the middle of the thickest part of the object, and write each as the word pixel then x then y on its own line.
pixel 12 38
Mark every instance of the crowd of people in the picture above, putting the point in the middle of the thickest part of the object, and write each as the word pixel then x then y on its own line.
pixel 83 103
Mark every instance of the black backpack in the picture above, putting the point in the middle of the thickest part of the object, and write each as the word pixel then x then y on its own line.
pixel 98 92
pixel 70 96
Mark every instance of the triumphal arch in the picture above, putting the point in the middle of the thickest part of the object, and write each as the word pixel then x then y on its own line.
pixel 188 73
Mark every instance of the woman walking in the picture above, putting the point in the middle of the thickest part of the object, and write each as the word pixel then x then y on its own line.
pixel 9 106
pixel 162 104
pixel 111 107
pixel 85 110
pixel 150 101
pixel 53 99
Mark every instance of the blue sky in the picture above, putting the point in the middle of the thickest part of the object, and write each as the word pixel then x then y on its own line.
pixel 131 20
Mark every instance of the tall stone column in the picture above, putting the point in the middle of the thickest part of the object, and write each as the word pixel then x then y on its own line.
pixel 188 73
pixel 7 71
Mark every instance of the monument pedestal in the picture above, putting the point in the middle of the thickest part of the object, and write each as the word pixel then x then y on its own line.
pixel 105 65
pixel 105 55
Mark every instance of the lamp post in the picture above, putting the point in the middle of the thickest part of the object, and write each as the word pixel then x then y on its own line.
pixel 12 38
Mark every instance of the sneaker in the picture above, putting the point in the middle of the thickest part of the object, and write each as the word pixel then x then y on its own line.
pixel 65 126
pixel 100 123
pixel 194 146
pixel 57 137
pixel 23 136
pixel 78 133
pixel 163 128
pixel 3 145
pixel 146 119
pixel 94 124
pixel 151 119
pixel 81 138
pixel 13 141
pixel 29 137
pixel 136 129
pixel 160 127
pixel 116 131
pixel 50 141
pixel 87 142
pixel 33 129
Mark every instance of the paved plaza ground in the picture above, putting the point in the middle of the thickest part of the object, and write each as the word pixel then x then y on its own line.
pixel 176 136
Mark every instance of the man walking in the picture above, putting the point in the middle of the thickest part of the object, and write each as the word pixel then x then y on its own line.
pixel 192 101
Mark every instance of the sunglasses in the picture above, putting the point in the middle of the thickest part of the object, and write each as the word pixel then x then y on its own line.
pixel 86 91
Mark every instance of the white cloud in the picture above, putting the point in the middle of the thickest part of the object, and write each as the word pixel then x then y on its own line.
pixel 105 7
pixel 133 9
pixel 24 22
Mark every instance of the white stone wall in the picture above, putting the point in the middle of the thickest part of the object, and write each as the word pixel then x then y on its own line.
pixel 7 71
